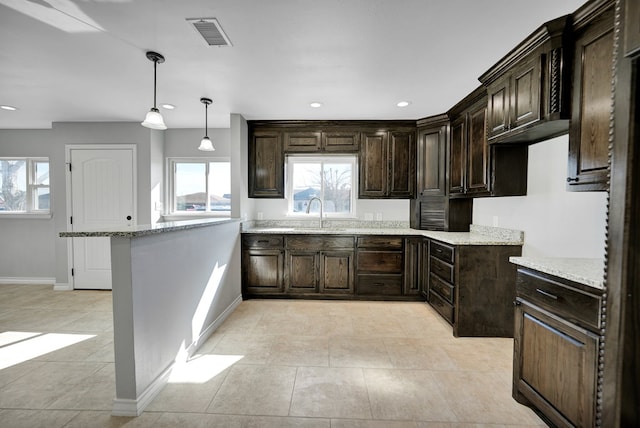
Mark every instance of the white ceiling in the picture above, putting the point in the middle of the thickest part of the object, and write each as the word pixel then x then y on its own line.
pixel 358 57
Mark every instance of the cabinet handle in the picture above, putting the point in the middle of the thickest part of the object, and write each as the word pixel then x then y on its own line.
pixel 516 303
pixel 263 241
pixel 545 293
pixel 573 179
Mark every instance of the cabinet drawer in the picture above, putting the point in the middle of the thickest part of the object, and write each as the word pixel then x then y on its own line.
pixel 439 304
pixel 318 243
pixel 570 303
pixel 442 288
pixel 442 269
pixel 262 241
pixel 380 284
pixel 380 261
pixel 442 251
pixel 381 242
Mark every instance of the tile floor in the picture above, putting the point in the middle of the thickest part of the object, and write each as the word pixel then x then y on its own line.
pixel 273 363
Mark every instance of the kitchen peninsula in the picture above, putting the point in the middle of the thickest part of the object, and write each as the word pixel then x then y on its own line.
pixel 171 289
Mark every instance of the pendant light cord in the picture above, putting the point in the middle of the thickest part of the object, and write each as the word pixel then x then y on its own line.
pixel 206 124
pixel 155 65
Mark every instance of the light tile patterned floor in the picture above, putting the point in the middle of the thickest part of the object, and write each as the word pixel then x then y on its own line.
pixel 285 363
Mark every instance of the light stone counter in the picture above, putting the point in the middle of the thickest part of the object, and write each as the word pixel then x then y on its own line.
pixel 478 235
pixel 147 229
pixel 583 271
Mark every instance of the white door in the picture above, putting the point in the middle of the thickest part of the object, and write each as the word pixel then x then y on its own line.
pixel 102 196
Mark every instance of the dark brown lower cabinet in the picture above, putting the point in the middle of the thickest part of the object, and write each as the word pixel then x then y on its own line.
pixel 471 286
pixel 380 266
pixel 556 349
pixel 262 264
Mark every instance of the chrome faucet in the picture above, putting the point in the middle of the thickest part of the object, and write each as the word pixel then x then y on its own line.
pixel 309 207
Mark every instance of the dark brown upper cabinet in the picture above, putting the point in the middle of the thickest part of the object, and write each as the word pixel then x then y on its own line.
pixel 477 168
pixel 592 95
pixel 266 164
pixel 387 164
pixel 528 89
pixel 318 141
pixel 432 156
pixel 469 150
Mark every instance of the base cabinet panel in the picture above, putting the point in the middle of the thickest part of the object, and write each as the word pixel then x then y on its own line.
pixel 263 271
pixel 556 368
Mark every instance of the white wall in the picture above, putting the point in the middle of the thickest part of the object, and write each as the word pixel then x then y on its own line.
pixel 556 223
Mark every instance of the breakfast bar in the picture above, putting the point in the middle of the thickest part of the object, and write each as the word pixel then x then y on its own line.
pixel 173 284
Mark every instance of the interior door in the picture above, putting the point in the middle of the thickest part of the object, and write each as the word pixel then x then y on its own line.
pixel 102 196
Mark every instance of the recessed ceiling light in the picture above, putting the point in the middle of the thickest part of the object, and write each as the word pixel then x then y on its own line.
pixel 9 108
pixel 167 106
pixel 316 104
pixel 403 103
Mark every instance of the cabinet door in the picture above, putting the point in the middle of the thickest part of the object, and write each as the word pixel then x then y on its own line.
pixel 266 165
pixel 412 266
pixel 374 166
pixel 302 141
pixel 498 107
pixel 424 268
pixel 263 271
pixel 341 141
pixel 402 164
pixel 432 151
pixel 337 272
pixel 477 153
pixel 302 271
pixel 555 366
pixel 526 86
pixel 457 158
pixel 590 111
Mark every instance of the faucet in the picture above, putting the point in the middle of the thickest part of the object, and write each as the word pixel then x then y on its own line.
pixel 309 207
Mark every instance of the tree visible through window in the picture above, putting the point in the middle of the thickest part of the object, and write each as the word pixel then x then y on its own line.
pixel 330 178
pixel 24 185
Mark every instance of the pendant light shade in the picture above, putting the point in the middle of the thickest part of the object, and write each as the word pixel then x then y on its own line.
pixel 205 144
pixel 154 119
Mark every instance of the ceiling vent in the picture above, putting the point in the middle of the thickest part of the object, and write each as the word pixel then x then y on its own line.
pixel 210 30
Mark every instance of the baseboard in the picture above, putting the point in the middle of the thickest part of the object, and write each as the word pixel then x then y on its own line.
pixel 26 280
pixel 63 286
pixel 132 408
pixel 213 326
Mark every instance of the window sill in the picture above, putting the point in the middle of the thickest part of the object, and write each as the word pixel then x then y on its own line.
pixel 193 216
pixel 33 216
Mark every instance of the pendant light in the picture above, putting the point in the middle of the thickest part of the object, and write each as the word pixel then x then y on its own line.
pixel 154 119
pixel 205 143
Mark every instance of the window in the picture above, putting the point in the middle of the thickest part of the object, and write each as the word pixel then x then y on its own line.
pixel 330 178
pixel 24 186
pixel 200 186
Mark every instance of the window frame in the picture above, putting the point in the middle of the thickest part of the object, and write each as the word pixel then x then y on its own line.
pixel 170 211
pixel 322 159
pixel 31 188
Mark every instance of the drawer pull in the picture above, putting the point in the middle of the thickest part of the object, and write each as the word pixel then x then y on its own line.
pixel 545 293
pixel 263 241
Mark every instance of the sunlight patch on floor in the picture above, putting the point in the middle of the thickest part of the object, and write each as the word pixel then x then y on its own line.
pixel 202 368
pixel 17 347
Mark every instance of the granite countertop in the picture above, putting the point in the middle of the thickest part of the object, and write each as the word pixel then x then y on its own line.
pixel 144 230
pixel 478 235
pixel 583 271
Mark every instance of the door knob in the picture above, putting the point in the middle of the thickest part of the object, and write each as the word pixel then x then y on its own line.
pixel 128 217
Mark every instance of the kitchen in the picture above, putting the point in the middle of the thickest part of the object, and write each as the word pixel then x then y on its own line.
pixel 547 214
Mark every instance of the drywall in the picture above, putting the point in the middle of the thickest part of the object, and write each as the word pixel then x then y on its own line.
pixel 556 223
pixel 170 291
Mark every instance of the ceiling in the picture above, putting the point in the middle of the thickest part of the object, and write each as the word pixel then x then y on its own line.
pixel 84 60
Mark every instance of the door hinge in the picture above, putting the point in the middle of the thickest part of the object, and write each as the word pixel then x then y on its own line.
pixel 72 272
pixel 71 220
pixel 69 167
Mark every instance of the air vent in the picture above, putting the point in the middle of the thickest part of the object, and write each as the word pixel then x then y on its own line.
pixel 210 30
